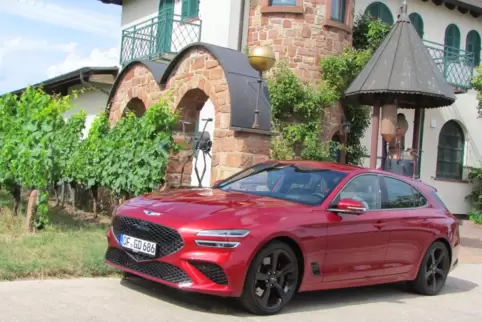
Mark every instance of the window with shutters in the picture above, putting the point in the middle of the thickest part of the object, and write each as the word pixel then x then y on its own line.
pixel 190 9
pixel 472 46
pixel 452 41
pixel 417 23
pixel 450 157
pixel 381 11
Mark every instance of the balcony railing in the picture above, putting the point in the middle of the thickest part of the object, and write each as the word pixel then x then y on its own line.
pixel 456 65
pixel 157 37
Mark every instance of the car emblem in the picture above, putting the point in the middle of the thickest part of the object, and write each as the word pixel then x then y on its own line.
pixel 152 213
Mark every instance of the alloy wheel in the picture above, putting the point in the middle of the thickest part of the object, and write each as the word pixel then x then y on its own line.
pixel 436 268
pixel 275 279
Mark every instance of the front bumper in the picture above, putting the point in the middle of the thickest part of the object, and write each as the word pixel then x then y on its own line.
pixel 214 271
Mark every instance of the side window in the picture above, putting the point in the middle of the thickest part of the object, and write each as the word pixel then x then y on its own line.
pixel 364 188
pixel 401 195
pixel 437 197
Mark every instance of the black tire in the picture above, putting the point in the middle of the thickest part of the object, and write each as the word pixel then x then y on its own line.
pixel 433 270
pixel 261 282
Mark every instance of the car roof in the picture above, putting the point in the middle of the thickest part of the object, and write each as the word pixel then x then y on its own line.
pixel 320 165
pixel 355 169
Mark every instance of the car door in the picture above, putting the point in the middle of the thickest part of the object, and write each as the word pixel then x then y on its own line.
pixel 355 246
pixel 405 218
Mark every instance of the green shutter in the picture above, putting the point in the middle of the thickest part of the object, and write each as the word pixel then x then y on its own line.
pixel 452 41
pixel 190 9
pixel 164 26
pixel 381 11
pixel 194 12
pixel 417 23
pixel 473 46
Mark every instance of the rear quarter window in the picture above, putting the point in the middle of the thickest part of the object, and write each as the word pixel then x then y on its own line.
pixel 439 200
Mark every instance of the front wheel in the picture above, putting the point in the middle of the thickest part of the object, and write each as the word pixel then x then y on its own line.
pixel 272 279
pixel 433 270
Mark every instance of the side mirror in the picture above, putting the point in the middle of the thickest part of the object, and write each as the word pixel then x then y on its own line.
pixel 349 206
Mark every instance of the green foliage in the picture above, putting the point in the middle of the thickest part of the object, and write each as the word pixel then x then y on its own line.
pixel 339 71
pixel 475 176
pixel 88 166
pixel 477 85
pixel 40 149
pixel 29 132
pixel 137 151
pixel 38 119
pixel 476 216
pixel 368 33
pixel 297 109
pixel 68 141
pixel 8 152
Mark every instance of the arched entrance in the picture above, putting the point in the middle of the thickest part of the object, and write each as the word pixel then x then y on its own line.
pixel 136 106
pixel 205 81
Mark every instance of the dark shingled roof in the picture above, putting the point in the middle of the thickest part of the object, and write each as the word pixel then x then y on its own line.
pixel 401 68
pixel 62 82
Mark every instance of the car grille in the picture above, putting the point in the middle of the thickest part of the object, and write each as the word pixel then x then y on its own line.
pixel 212 271
pixel 163 271
pixel 167 239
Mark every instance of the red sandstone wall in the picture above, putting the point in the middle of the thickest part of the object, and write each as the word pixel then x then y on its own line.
pixel 300 35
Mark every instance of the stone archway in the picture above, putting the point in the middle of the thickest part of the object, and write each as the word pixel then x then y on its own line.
pixel 192 78
pixel 136 106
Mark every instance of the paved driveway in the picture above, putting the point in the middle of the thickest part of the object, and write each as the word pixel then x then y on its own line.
pixel 137 300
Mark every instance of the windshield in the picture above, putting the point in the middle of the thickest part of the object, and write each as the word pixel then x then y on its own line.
pixel 301 184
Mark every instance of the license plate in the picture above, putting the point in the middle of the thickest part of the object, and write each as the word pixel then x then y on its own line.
pixel 138 245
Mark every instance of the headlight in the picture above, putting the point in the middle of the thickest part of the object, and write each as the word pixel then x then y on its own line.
pixel 224 233
pixel 216 244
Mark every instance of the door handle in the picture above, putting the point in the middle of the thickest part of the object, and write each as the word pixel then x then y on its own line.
pixel 379 224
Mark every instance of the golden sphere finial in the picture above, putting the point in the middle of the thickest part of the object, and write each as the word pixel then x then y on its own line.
pixel 261 58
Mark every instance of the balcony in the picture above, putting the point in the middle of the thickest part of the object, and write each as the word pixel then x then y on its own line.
pixel 158 38
pixel 456 65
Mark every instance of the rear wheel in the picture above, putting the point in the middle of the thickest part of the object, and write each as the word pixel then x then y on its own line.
pixel 272 279
pixel 433 270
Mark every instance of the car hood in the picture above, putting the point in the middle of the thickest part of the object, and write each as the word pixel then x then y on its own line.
pixel 213 205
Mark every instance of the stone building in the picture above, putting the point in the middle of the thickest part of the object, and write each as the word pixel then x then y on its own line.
pixel 302 34
pixel 200 62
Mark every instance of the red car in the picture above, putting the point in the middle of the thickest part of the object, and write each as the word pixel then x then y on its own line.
pixel 281 227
